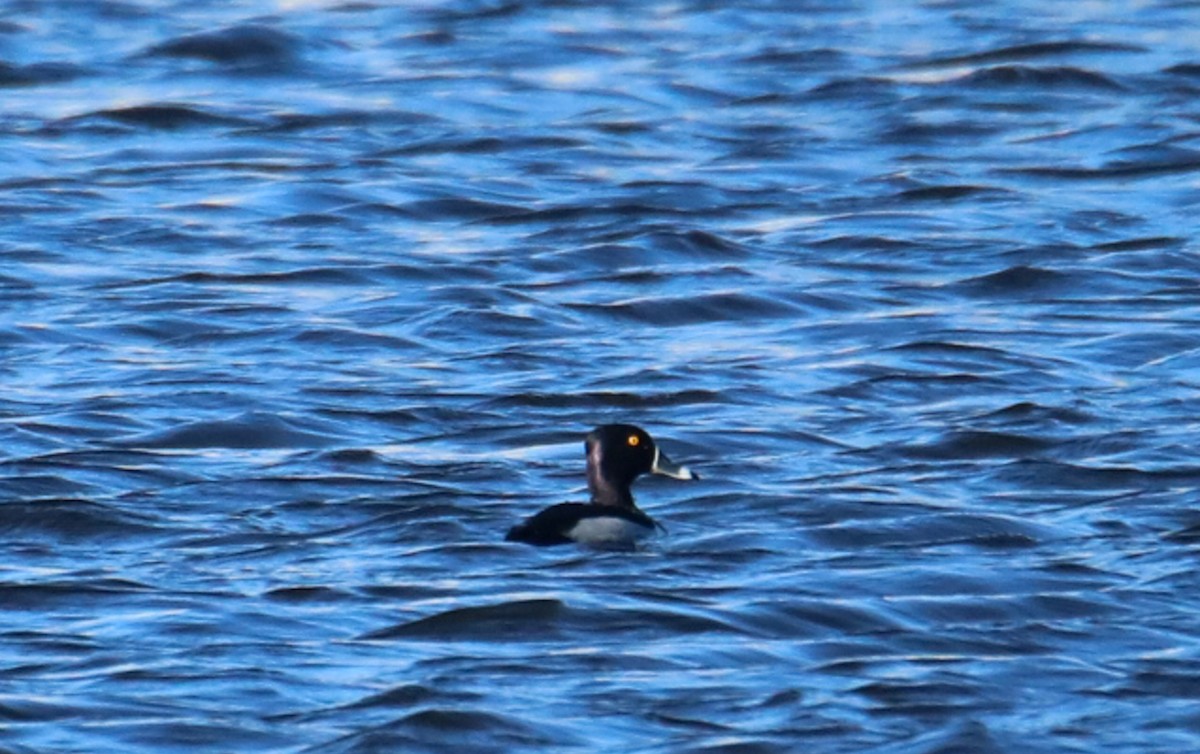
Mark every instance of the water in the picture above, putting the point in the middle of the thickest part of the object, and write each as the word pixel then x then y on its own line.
pixel 304 304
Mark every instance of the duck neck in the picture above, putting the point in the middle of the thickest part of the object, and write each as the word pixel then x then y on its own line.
pixel 604 493
pixel 604 490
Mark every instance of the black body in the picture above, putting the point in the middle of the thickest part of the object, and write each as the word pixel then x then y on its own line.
pixel 550 525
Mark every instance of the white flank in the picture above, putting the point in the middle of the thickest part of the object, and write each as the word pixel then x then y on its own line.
pixel 608 530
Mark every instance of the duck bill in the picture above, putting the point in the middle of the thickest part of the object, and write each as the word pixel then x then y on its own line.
pixel 666 467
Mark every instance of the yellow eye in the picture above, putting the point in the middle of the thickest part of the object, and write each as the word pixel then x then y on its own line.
pixel 634 440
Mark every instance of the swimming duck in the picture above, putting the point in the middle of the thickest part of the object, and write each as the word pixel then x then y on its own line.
pixel 617 454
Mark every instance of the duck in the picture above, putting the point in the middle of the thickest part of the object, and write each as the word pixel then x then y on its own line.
pixel 617 454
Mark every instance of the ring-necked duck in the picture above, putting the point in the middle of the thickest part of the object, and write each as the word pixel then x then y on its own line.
pixel 617 454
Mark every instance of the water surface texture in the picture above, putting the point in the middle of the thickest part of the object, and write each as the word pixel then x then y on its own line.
pixel 303 304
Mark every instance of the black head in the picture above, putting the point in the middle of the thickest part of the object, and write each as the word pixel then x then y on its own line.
pixel 617 454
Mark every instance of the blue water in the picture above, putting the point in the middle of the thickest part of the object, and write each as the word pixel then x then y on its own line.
pixel 303 304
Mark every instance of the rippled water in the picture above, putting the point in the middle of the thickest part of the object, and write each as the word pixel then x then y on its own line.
pixel 302 305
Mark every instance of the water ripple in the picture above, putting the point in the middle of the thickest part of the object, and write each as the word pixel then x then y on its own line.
pixel 300 311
